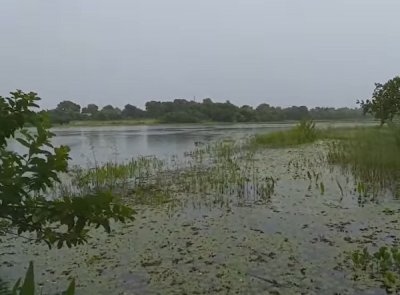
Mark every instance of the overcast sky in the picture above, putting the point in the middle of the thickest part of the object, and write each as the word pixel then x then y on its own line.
pixel 283 52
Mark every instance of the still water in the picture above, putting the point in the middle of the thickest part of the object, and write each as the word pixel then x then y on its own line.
pixel 90 145
pixel 119 143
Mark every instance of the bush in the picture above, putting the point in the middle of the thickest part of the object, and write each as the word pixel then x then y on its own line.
pixel 26 180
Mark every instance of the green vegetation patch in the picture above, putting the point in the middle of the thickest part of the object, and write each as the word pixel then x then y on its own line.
pixel 372 155
pixel 382 265
pixel 304 132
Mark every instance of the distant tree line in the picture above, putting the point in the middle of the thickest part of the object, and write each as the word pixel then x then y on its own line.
pixel 184 111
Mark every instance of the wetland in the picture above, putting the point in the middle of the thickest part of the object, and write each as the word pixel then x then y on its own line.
pixel 229 213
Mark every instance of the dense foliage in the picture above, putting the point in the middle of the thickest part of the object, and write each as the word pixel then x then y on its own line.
pixel 184 111
pixel 385 102
pixel 25 179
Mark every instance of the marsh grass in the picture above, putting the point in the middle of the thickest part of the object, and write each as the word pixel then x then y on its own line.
pixel 113 174
pixel 215 174
pixel 372 155
pixel 304 132
pixel 227 172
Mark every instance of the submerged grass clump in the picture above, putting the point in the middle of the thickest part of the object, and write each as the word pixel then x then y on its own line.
pixel 304 132
pixel 113 176
pixel 383 264
pixel 219 173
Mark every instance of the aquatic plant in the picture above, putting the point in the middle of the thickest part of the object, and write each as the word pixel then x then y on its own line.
pixel 303 132
pixel 372 156
pixel 383 263
pixel 27 286
pixel 218 173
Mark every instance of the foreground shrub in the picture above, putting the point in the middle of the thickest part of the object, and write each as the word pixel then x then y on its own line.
pixel 26 179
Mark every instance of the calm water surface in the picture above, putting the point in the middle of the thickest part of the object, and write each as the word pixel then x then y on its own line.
pixel 90 145
pixel 119 143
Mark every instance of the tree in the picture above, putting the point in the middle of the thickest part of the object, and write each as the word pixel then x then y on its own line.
pixel 155 109
pixel 68 106
pixel 131 111
pixel 267 113
pixel 109 113
pixel 91 109
pixel 385 102
pixel 296 113
pixel 65 112
pixel 26 178
pixel 247 114
pixel 58 117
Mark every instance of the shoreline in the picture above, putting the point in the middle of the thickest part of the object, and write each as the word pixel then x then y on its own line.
pixel 154 122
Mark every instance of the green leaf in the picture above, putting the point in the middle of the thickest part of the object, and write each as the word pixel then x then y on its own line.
pixel 322 188
pixel 60 244
pixel 23 142
pixel 16 287
pixel 71 288
pixel 28 288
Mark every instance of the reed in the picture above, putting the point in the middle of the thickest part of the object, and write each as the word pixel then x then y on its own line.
pixel 304 132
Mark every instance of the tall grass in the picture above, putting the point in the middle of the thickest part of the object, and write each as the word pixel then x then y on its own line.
pixel 372 155
pixel 304 132
pixel 212 174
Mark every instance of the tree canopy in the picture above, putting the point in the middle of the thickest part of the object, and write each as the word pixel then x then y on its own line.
pixel 385 102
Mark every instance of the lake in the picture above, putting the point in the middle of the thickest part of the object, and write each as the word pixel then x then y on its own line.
pixel 120 143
